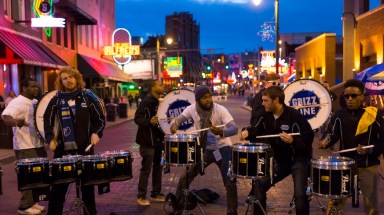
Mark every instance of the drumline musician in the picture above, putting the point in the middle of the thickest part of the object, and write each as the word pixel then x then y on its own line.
pixel 292 154
pixel 82 121
pixel 358 126
pixel 215 142
pixel 26 143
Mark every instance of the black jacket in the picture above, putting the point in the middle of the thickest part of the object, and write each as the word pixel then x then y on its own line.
pixel 89 119
pixel 290 121
pixel 148 134
pixel 257 105
pixel 343 127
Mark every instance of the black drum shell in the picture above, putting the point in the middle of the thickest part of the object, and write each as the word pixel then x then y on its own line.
pixel 121 164
pixel 32 173
pixel 64 170
pixel 180 149
pixel 95 170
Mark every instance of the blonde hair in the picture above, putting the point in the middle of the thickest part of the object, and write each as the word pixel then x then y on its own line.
pixel 70 71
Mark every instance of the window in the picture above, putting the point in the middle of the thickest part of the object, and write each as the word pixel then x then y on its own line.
pixel 86 28
pixel 72 36
pixel 58 36
pixel 66 35
pixel 80 34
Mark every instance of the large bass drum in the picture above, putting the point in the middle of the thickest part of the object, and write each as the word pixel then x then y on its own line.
pixel 39 113
pixel 311 99
pixel 171 106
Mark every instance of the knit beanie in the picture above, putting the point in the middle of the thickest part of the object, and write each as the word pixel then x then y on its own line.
pixel 200 91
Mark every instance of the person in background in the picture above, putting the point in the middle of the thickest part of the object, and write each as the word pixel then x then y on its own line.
pixel 81 122
pixel 26 143
pixel 11 95
pixel 356 126
pixel 130 100
pixel 292 154
pixel 215 143
pixel 150 138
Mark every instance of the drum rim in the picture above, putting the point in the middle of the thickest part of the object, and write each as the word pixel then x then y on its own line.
pixel 168 137
pixel 113 152
pixel 346 161
pixel 35 112
pixel 31 160
pixel 95 158
pixel 253 147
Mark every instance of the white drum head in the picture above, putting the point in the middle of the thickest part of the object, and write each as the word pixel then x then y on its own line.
pixel 39 113
pixel 311 99
pixel 171 106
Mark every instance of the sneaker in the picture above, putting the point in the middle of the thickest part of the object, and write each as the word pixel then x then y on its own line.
pixel 39 207
pixel 143 201
pixel 158 198
pixel 30 210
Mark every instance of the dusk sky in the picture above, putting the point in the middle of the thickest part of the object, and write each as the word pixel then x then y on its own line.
pixel 231 24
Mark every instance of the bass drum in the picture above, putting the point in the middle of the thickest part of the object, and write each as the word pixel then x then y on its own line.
pixel 39 113
pixel 171 106
pixel 311 99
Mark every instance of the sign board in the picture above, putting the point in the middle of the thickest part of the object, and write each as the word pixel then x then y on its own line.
pixel 174 66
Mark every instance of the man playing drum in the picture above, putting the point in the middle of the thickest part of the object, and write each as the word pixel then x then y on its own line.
pixel 214 140
pixel 82 121
pixel 357 126
pixel 292 154
pixel 150 138
pixel 26 143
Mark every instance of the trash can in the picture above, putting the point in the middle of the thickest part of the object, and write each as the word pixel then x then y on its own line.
pixel 6 136
pixel 123 107
pixel 111 112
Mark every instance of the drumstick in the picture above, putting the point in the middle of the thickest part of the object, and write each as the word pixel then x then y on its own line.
pixel 305 106
pixel 353 149
pixel 276 135
pixel 89 147
pixel 167 119
pixel 204 129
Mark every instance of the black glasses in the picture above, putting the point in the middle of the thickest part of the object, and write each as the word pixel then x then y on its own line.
pixel 353 96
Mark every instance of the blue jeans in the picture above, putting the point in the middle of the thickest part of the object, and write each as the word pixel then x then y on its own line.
pixel 209 158
pixel 151 158
pixel 299 170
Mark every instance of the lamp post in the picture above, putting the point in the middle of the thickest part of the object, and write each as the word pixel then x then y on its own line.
pixel 277 35
pixel 158 57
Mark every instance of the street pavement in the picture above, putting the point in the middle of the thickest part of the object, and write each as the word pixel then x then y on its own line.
pixel 121 199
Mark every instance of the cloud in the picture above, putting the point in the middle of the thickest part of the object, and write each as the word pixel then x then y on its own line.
pixel 222 1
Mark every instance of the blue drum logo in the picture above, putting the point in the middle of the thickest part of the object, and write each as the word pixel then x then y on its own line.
pixel 310 102
pixel 175 109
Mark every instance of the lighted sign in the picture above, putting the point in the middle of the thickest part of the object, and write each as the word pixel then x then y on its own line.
pixel 174 66
pixel 48 21
pixel 122 48
pixel 43 11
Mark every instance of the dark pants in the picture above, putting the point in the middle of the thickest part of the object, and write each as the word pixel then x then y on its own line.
pixel 230 186
pixel 299 171
pixel 26 200
pixel 151 158
pixel 57 199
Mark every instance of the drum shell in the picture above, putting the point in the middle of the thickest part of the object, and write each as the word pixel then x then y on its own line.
pixel 95 170
pixel 65 170
pixel 121 164
pixel 333 179
pixel 252 160
pixel 32 173
pixel 180 149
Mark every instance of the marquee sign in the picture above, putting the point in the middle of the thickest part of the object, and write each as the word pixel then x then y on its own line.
pixel 122 48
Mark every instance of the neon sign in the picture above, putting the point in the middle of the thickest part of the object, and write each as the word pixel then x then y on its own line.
pixel 44 16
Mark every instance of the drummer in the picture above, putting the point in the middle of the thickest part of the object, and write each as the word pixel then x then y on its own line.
pixel 26 143
pixel 292 154
pixel 81 116
pixel 358 126
pixel 149 136
pixel 215 142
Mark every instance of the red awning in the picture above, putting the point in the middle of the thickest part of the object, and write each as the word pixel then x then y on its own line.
pixel 93 68
pixel 31 51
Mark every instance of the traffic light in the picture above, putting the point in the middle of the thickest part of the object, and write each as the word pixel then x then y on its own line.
pixel 208 68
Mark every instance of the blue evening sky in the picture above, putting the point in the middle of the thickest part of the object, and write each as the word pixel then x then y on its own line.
pixel 231 24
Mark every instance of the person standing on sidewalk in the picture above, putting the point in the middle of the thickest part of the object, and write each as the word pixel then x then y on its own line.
pixel 26 143
pixel 356 126
pixel 292 154
pixel 81 118
pixel 150 138
pixel 215 143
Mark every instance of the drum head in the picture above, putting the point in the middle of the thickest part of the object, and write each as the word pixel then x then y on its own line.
pixel 39 113
pixel 332 162
pixel 252 147
pixel 171 106
pixel 311 99
pixel 180 137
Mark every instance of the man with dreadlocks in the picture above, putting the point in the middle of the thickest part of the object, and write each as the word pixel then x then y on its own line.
pixel 81 122
pixel 215 142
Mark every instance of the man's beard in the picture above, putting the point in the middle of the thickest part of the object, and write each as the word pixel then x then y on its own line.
pixel 205 108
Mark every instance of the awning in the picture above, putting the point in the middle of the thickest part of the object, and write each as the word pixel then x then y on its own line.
pixel 95 68
pixel 80 16
pixel 31 51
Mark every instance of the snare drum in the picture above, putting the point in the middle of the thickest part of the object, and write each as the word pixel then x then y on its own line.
pixel 252 160
pixel 32 173
pixel 96 170
pixel 65 170
pixel 333 176
pixel 180 149
pixel 121 164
